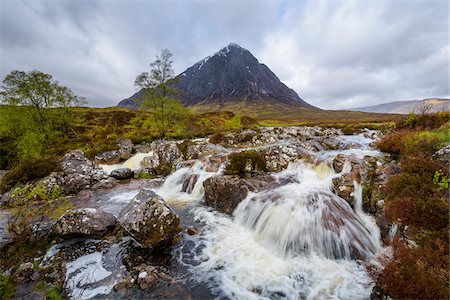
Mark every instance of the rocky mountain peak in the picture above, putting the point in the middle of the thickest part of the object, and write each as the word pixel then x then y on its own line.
pixel 230 75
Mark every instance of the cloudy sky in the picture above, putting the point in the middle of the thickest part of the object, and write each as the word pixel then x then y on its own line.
pixel 334 54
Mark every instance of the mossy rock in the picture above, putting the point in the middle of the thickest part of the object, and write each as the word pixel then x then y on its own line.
pixel 246 162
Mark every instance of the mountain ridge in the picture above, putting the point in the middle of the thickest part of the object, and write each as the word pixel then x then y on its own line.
pixel 229 75
pixel 407 106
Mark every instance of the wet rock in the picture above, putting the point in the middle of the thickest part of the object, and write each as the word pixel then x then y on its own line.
pixel 192 230
pixel 442 155
pixel 162 153
pixel 122 173
pixel 225 192
pixel 84 222
pixel 149 277
pixel 124 285
pixel 278 157
pixel 338 162
pixel 24 272
pixel 344 184
pixel 213 163
pixel 189 183
pixel 149 219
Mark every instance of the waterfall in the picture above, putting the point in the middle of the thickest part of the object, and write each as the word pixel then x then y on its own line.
pixel 306 217
pixel 297 241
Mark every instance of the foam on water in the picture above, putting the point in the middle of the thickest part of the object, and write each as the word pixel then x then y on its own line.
pixel 293 242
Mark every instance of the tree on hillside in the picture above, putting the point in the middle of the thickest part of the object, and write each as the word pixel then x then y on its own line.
pixel 167 111
pixel 38 110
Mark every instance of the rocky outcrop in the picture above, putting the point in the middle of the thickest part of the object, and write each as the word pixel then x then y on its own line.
pixel 163 153
pixel 84 222
pixel 189 183
pixel 78 172
pixel 442 155
pixel 124 151
pixel 225 192
pixel 278 157
pixel 122 173
pixel 149 219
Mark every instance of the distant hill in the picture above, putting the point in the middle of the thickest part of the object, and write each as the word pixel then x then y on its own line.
pixel 404 107
pixel 232 75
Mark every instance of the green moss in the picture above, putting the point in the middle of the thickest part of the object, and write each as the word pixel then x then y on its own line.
pixel 7 288
pixel 246 162
pixel 146 175
pixel 183 147
pixel 28 170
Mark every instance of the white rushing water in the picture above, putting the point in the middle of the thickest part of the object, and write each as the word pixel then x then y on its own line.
pixel 298 240
pixel 293 242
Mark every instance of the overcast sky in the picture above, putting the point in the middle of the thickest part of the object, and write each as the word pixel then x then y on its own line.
pixel 334 54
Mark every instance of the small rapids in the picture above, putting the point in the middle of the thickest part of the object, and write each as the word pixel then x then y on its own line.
pixel 297 241
pixel 305 217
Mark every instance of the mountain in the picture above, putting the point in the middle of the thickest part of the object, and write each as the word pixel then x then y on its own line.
pixel 232 75
pixel 404 107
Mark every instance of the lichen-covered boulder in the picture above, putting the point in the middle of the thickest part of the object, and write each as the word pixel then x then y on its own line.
pixel 124 152
pixel 122 173
pixel 108 157
pixel 84 222
pixel 163 153
pixel 149 219
pixel 78 172
pixel 442 155
pixel 225 192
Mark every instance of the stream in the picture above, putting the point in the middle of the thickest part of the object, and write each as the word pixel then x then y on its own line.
pixel 298 240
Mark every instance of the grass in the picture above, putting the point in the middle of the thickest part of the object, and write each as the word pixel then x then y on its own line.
pixel 269 114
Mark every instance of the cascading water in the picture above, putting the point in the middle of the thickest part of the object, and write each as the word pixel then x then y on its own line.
pixel 298 240
pixel 293 242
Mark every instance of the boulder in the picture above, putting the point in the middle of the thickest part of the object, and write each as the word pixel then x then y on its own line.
pixel 442 155
pixel 338 162
pixel 278 157
pixel 163 153
pixel 126 148
pixel 122 173
pixel 78 172
pixel 84 222
pixel 24 272
pixel 108 157
pixel 124 152
pixel 189 183
pixel 344 184
pixel 225 192
pixel 149 219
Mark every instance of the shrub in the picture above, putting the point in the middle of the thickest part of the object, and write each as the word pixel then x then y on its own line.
pixel 217 138
pixel 248 137
pixel 394 142
pixel 28 170
pixel 417 273
pixel 246 162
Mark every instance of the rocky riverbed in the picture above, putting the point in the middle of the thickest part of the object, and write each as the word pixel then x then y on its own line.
pixel 170 220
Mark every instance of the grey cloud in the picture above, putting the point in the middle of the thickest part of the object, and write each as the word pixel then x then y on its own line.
pixel 334 54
